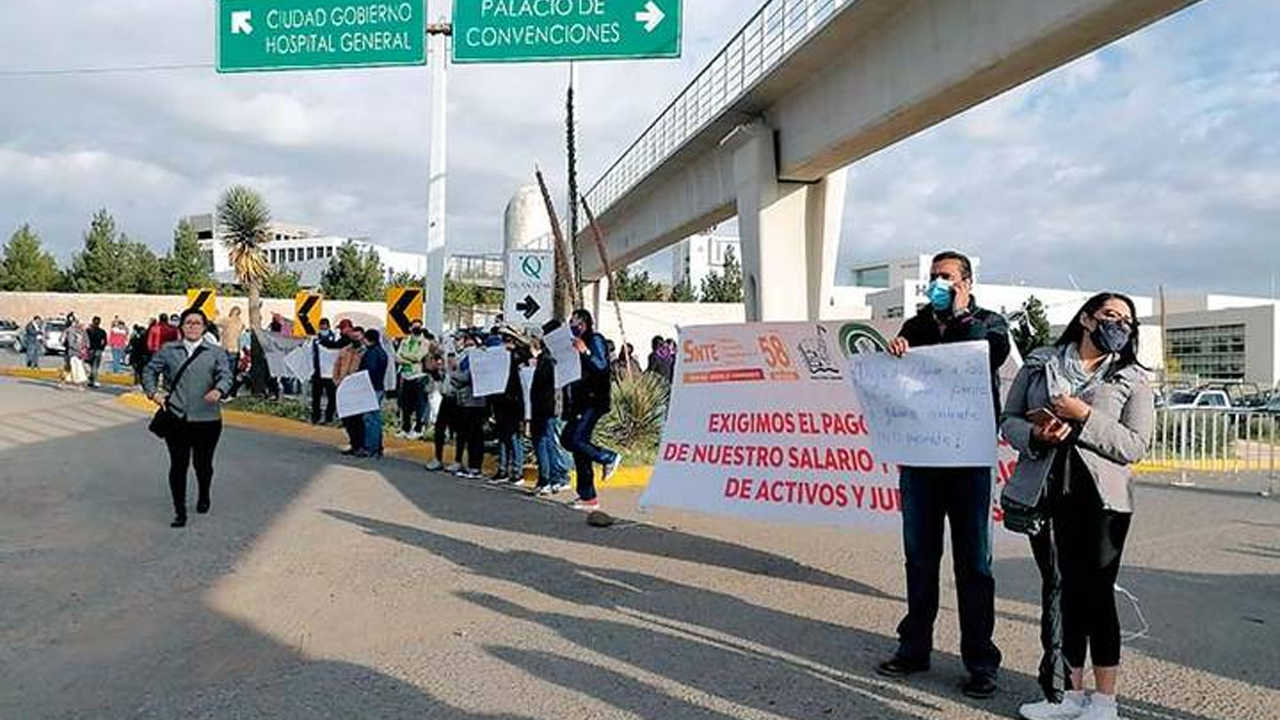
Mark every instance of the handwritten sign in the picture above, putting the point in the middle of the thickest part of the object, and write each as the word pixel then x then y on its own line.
pixel 490 369
pixel 931 408
pixel 568 362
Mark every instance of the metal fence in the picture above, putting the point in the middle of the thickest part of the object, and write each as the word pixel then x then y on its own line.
pixel 768 37
pixel 1221 442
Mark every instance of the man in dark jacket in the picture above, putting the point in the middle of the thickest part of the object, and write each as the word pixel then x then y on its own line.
pixel 958 496
pixel 589 401
pixel 544 421
pixel 97 346
pixel 375 361
pixel 323 387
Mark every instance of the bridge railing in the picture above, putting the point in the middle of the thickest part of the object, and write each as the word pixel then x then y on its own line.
pixel 773 32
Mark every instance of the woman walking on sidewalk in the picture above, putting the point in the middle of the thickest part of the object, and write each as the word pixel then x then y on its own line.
pixel 197 377
pixel 1080 414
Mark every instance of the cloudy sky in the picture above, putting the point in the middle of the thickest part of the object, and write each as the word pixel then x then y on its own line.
pixel 1156 160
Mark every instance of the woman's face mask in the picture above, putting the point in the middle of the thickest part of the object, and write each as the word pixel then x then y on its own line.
pixel 1110 336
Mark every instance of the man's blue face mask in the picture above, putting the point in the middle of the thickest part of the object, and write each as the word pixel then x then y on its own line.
pixel 941 294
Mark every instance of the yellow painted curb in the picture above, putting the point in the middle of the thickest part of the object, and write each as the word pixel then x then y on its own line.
pixel 52 375
pixel 633 477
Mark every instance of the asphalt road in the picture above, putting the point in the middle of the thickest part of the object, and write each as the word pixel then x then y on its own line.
pixel 324 589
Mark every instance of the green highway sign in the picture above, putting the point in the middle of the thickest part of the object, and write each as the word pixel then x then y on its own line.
pixel 255 35
pixel 487 31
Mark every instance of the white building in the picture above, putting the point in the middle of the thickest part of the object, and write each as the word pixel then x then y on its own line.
pixel 700 255
pixel 1224 337
pixel 301 249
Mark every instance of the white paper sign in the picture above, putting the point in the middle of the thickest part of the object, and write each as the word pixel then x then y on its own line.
pixel 930 408
pixel 356 395
pixel 328 358
pixel 568 363
pixel 490 369
pixel 299 362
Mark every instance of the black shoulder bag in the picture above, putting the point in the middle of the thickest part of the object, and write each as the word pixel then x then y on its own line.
pixel 166 421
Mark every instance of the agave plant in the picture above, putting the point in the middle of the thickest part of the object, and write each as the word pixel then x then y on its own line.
pixel 243 217
pixel 639 411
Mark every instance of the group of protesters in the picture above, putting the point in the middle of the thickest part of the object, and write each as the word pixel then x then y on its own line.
pixel 436 398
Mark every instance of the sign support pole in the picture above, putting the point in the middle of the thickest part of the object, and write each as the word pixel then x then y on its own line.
pixel 438 38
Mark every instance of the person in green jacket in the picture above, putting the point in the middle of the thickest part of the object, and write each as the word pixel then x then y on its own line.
pixel 411 368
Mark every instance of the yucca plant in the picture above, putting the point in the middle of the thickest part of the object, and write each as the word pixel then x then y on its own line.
pixel 243 217
pixel 639 411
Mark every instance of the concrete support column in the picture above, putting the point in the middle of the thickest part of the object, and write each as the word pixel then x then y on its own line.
pixel 597 298
pixel 790 232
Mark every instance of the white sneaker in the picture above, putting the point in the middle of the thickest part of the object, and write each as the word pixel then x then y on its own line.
pixel 1101 709
pixel 434 466
pixel 415 435
pixel 612 468
pixel 453 468
pixel 1073 706
pixel 401 434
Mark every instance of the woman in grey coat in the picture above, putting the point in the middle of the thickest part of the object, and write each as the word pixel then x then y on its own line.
pixel 1080 414
pixel 196 398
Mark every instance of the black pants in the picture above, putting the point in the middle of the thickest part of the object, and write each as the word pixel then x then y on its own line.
pixel 931 499
pixel 445 421
pixel 323 387
pixel 471 435
pixel 1089 542
pixel 413 404
pixel 192 443
pixel 1053 675
pixel 354 426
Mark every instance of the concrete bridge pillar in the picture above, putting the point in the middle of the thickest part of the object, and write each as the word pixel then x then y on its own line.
pixel 790 231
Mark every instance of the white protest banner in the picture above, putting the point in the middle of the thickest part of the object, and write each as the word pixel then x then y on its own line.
pixel 299 362
pixel 764 424
pixel 930 408
pixel 568 362
pixel 356 395
pixel 490 369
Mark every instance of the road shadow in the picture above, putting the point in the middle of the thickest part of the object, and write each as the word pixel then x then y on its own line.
pixel 1196 620
pixel 441 497
pixel 718 644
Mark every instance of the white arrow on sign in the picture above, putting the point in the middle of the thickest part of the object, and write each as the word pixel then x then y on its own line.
pixel 652 16
pixel 240 22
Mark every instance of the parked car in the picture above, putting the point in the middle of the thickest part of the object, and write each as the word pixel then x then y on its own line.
pixel 10 335
pixel 53 330
pixel 1198 400
pixel 1272 408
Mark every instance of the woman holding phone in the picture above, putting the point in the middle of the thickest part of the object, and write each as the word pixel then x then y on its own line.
pixel 1080 414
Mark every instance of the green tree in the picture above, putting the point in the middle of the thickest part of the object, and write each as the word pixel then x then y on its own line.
pixel 103 266
pixel 405 279
pixel 683 293
pixel 281 284
pixel 26 267
pixel 354 275
pixel 185 266
pixel 243 217
pixel 724 286
pixel 144 269
pixel 628 286
pixel 1031 327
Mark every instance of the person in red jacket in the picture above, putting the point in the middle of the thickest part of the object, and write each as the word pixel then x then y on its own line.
pixel 155 334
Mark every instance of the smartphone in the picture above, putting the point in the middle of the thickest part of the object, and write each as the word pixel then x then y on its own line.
pixel 1041 416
